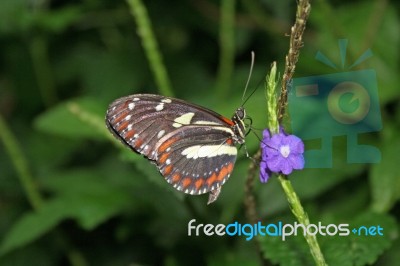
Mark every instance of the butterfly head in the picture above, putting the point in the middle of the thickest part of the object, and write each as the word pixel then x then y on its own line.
pixel 240 127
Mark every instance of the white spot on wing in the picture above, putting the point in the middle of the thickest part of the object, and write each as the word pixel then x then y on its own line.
pixel 128 117
pixel 131 106
pixel 129 127
pixel 136 99
pixel 168 161
pixel 161 133
pixel 166 100
pixel 183 120
pixel 201 122
pixel 200 151
pixel 159 107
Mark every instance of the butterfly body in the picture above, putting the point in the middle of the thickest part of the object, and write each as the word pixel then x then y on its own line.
pixel 193 147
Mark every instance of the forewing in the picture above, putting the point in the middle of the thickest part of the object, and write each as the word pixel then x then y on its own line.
pixel 141 120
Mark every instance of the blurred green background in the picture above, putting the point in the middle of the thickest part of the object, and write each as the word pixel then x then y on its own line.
pixel 69 195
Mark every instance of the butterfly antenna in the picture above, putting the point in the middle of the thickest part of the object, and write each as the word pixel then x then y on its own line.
pixel 248 79
pixel 261 140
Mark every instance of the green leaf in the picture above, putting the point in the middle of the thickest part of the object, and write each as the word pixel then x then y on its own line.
pixel 291 252
pixel 11 13
pixel 19 16
pixel 360 249
pixel 58 20
pixel 90 198
pixel 385 178
pixel 242 253
pixel 81 118
pixel 81 197
pixel 33 225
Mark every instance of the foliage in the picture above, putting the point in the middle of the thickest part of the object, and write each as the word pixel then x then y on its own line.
pixel 72 195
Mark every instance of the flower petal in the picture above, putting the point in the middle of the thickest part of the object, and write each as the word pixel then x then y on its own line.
pixel 297 161
pixel 296 144
pixel 266 139
pixel 275 163
pixel 266 134
pixel 275 141
pixel 286 167
pixel 271 152
pixel 264 172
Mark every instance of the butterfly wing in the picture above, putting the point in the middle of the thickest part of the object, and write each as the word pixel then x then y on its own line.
pixel 191 145
pixel 196 159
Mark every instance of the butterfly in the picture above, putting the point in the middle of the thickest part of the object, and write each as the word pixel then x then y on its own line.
pixel 193 147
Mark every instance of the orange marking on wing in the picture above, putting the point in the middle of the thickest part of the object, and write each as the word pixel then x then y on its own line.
pixel 129 134
pixel 176 178
pixel 138 143
pixel 199 182
pixel 167 170
pixel 186 182
pixel 125 105
pixel 224 172
pixel 230 167
pixel 163 158
pixel 229 141
pixel 227 120
pixel 123 126
pixel 166 144
pixel 120 117
pixel 211 179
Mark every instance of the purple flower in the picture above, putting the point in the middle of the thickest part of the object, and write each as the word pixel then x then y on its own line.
pixel 281 153
pixel 264 172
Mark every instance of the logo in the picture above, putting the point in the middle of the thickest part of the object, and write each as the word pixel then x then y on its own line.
pixel 338 104
pixel 279 229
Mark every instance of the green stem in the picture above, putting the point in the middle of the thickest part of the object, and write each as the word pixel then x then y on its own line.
pixel 92 120
pixel 21 165
pixel 295 44
pixel 302 217
pixel 89 118
pixel 150 46
pixel 293 199
pixel 271 84
pixel 227 46
pixel 31 191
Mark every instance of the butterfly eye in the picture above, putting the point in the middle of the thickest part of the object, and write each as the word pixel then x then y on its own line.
pixel 240 113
